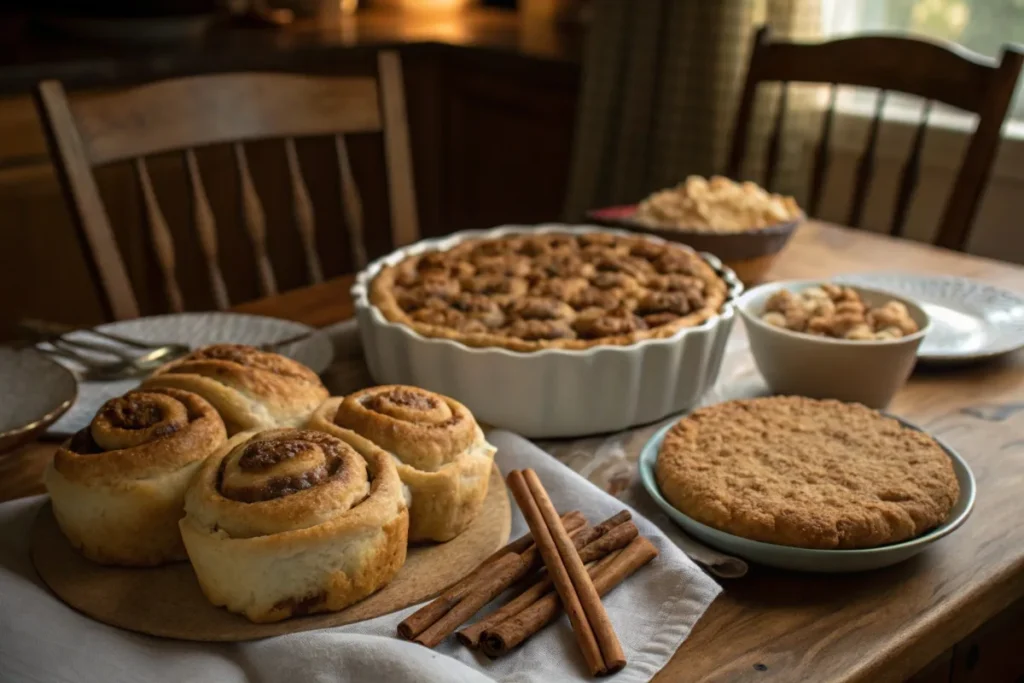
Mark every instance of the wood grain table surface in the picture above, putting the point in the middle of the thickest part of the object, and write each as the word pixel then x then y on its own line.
pixel 877 626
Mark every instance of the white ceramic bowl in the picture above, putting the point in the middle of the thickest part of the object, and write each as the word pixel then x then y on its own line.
pixel 812 559
pixel 554 392
pixel 868 372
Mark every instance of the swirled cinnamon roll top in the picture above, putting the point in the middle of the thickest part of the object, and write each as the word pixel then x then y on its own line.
pixel 252 389
pixel 253 369
pixel 142 434
pixel 279 480
pixel 421 428
pixel 534 291
pixel 285 522
pixel 279 466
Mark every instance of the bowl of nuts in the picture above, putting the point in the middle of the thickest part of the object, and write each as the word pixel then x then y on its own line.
pixel 825 340
pixel 741 223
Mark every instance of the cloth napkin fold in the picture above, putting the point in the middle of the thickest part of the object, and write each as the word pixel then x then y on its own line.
pixel 41 639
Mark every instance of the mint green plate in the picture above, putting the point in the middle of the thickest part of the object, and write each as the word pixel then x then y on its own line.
pixel 806 559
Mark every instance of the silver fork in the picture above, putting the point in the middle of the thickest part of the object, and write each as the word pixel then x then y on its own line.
pixel 128 364
pixel 161 352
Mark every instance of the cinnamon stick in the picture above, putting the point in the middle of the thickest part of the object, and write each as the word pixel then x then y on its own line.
pixel 420 620
pixel 611 649
pixel 608 573
pixel 571 520
pixel 543 536
pixel 615 539
pixel 503 573
pixel 500 575
pixel 580 537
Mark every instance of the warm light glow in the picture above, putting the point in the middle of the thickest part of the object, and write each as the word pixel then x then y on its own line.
pixel 451 30
pixel 425 5
pixel 434 5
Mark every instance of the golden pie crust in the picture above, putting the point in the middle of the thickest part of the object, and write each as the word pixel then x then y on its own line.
pixel 536 291
pixel 807 473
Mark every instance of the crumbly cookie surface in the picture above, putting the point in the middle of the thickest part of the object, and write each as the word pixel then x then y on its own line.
pixel 534 291
pixel 807 473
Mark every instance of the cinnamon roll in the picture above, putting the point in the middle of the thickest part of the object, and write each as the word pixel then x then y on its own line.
pixel 439 449
pixel 251 389
pixel 118 486
pixel 288 522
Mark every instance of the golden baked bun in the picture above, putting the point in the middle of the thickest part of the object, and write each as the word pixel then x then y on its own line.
pixel 439 449
pixel 251 389
pixel 288 522
pixel 118 486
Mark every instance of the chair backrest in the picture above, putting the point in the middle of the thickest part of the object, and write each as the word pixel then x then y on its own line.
pixel 936 72
pixel 189 113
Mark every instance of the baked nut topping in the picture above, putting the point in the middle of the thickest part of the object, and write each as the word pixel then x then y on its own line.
pixel 834 311
pixel 716 205
pixel 550 290
pixel 596 323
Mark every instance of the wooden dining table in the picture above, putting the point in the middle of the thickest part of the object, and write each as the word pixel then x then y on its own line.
pixel 954 613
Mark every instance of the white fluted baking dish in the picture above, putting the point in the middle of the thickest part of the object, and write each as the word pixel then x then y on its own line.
pixel 552 392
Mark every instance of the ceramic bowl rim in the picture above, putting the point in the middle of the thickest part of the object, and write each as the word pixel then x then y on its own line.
pixel 630 222
pixel 649 455
pixel 50 416
pixel 744 300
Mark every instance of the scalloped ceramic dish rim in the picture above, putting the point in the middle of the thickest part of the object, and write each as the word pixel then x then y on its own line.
pixel 743 299
pixel 649 455
pixel 50 416
pixel 361 299
pixel 629 221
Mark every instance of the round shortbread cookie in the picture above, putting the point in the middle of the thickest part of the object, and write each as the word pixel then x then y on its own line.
pixel 807 473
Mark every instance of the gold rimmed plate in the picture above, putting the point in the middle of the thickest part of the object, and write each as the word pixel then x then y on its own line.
pixel 34 392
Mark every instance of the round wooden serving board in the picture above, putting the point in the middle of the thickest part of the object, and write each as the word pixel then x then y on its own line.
pixel 166 601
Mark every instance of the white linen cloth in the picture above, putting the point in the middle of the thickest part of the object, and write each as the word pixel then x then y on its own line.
pixel 604 460
pixel 42 640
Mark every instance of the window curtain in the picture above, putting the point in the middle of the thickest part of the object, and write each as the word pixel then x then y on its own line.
pixel 661 80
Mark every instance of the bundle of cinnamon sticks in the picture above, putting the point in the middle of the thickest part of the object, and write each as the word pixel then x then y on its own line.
pixel 562 546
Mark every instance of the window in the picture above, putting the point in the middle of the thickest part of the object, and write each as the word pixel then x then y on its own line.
pixel 980 25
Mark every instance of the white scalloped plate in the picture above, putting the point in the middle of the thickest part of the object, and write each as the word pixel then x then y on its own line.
pixel 194 329
pixel 970 320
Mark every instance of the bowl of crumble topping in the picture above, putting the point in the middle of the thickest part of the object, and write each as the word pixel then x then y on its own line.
pixel 825 340
pixel 549 330
pixel 741 223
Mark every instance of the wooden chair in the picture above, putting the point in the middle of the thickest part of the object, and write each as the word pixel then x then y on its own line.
pixel 189 113
pixel 934 72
